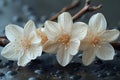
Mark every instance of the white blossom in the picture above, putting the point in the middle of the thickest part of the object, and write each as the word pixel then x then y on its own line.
pixel 24 43
pixel 64 37
pixel 96 43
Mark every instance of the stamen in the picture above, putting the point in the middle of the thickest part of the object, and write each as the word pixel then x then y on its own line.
pixel 64 39
pixel 43 36
pixel 26 43
pixel 95 41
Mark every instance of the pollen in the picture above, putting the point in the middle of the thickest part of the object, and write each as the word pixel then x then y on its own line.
pixel 64 39
pixel 43 36
pixel 96 41
pixel 26 43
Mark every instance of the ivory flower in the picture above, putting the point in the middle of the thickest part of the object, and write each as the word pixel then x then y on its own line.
pixel 24 43
pixel 96 43
pixel 64 37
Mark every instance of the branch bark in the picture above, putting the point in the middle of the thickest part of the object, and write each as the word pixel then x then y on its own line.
pixel 116 45
pixel 85 9
pixel 3 41
pixel 74 4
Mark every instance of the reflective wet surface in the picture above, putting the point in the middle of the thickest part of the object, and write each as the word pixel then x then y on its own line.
pixel 46 66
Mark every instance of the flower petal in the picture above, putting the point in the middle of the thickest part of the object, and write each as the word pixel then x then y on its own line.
pixel 98 22
pixel 65 21
pixel 13 32
pixel 79 30
pixel 24 59
pixel 105 52
pixel 63 57
pixel 12 51
pixel 88 56
pixel 50 47
pixel 52 30
pixel 35 51
pixel 35 39
pixel 84 45
pixel 29 27
pixel 73 48
pixel 110 35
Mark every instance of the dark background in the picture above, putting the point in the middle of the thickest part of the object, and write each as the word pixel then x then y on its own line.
pixel 28 9
pixel 46 68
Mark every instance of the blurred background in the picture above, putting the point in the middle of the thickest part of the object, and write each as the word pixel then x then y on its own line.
pixel 20 11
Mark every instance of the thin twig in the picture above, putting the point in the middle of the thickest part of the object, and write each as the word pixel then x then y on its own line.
pixel 85 9
pixel 74 4
pixel 116 45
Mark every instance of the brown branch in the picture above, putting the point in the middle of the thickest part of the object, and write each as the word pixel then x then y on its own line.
pixel 3 41
pixel 85 9
pixel 74 4
pixel 116 45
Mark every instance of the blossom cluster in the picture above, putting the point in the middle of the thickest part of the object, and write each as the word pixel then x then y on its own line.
pixel 63 38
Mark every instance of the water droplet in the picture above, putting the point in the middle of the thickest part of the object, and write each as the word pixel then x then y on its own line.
pixel 75 77
pixel 80 55
pixel 108 73
pixel 9 66
pixel 59 72
pixel 11 73
pixel 99 75
pixel 38 71
pixel 34 78
pixel 72 77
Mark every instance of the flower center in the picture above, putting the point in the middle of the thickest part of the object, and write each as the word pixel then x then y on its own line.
pixel 95 41
pixel 43 36
pixel 64 39
pixel 26 43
